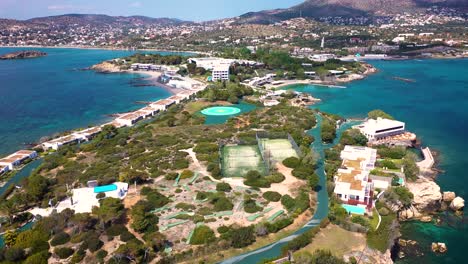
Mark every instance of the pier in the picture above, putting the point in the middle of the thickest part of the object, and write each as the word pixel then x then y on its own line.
pixel 428 161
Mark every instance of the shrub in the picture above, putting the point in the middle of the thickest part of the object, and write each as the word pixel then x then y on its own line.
pixel 242 237
pixel 278 225
pixel 171 176
pixel 288 202
pixel 222 203
pixel 126 236
pixel 223 187
pixel 178 190
pixel 384 211
pixel 64 252
pixel 291 162
pixel 255 179
pixel 303 172
pixel 202 235
pixel 275 177
pixel 14 254
pixel 38 258
pixel 101 254
pixel 251 207
pixel 357 219
pixel 223 229
pixel 186 174
pixel 100 195
pixel 302 240
pixel 115 230
pixel 185 206
pixel 60 239
pixel 272 196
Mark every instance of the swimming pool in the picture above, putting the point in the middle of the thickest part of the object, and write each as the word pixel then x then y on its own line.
pixel 354 209
pixel 105 188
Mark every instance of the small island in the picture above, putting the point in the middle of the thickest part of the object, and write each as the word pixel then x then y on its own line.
pixel 25 54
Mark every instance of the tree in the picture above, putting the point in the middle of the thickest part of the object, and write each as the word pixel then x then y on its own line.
pixel 243 237
pixel 202 235
pixel 10 237
pixel 374 114
pixel 110 209
pixel 313 181
pixel 291 162
pixel 37 186
pixel 142 218
pixel 9 208
pixel 223 187
pixel 410 167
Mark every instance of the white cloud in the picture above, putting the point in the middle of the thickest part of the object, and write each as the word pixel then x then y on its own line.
pixel 136 4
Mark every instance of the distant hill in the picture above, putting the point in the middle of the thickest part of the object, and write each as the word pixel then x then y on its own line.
pixel 100 20
pixel 347 8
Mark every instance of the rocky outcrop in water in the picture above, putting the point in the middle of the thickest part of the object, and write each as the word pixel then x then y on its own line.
pixel 438 247
pixel 105 67
pixel 427 195
pixel 448 196
pixel 457 204
pixel 27 54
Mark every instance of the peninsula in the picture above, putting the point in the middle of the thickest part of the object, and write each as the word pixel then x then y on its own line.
pixel 27 54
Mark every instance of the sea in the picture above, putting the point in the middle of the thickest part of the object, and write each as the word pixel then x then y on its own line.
pixel 43 96
pixel 432 100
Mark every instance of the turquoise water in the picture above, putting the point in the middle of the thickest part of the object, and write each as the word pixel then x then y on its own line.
pixel 221 119
pixel 20 175
pixel 47 95
pixel 220 111
pixel 105 188
pixel 435 108
pixel 353 209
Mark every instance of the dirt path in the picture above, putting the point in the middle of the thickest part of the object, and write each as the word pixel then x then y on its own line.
pixel 197 165
pixel 290 184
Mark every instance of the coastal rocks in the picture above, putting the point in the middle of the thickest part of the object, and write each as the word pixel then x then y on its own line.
pixel 370 256
pixel 457 204
pixel 438 247
pixel 427 195
pixel 105 67
pixel 404 243
pixel 409 213
pixel 448 196
pixel 426 219
pixel 26 54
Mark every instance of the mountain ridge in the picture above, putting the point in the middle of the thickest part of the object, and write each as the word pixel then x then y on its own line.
pixel 347 8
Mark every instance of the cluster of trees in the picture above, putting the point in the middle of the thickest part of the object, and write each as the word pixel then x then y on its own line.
pixel 226 91
pixel 374 114
pixel 156 59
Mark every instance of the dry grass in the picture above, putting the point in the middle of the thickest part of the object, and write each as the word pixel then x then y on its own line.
pixel 336 240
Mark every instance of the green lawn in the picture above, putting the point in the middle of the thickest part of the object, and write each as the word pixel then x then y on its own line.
pixel 379 239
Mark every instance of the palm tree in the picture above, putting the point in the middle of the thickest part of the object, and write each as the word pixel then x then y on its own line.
pixel 9 208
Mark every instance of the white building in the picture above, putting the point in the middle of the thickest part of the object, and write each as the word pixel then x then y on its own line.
pixel 129 119
pixel 162 105
pixel 10 162
pixel 209 63
pixel 55 144
pixel 352 183
pixel 376 129
pixel 220 72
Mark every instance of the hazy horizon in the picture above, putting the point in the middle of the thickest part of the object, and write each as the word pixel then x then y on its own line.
pixel 189 10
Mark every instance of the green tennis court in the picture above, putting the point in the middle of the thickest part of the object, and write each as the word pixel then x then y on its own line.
pixel 278 149
pixel 238 160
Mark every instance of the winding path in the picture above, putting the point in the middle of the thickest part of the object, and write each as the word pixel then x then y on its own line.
pixel 274 250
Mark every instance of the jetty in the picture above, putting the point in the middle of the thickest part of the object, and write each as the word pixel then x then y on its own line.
pixel 428 161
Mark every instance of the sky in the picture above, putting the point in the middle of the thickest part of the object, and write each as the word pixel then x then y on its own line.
pixel 194 10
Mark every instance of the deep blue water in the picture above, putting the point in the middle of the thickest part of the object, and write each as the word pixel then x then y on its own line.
pixel 47 95
pixel 435 108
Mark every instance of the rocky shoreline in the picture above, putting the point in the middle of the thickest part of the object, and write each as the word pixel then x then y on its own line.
pixel 428 202
pixel 27 54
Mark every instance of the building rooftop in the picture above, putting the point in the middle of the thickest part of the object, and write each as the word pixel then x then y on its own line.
pixel 379 124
